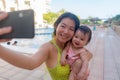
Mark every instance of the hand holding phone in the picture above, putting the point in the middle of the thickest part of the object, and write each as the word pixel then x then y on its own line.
pixel 22 23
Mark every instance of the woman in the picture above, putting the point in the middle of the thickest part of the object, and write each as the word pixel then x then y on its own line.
pixel 50 52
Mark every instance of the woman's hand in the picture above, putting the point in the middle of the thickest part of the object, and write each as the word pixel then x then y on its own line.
pixel 84 51
pixel 82 76
pixel 3 15
pixel 6 29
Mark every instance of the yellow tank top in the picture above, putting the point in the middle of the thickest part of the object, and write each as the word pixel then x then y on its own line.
pixel 59 72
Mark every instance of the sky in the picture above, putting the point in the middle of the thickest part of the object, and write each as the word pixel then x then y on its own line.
pixel 86 8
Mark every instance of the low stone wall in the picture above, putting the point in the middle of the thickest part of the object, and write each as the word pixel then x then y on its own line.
pixel 116 29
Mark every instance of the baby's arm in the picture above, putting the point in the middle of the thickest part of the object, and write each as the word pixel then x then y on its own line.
pixel 64 55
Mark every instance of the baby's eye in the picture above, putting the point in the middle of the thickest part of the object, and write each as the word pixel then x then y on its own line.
pixel 76 36
pixel 82 39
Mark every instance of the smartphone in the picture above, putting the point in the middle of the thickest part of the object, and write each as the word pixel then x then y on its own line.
pixel 22 23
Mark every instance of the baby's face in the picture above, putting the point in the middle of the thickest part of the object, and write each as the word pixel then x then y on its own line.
pixel 80 39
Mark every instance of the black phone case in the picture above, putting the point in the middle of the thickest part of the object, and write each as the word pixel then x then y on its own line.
pixel 22 23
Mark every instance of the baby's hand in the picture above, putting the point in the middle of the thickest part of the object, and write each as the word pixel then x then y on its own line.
pixel 81 76
pixel 63 62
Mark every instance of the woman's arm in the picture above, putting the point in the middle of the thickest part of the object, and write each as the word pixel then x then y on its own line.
pixel 89 54
pixel 23 61
pixel 84 67
pixel 85 56
pixel 17 58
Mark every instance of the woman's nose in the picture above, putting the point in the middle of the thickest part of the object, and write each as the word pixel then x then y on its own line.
pixel 65 30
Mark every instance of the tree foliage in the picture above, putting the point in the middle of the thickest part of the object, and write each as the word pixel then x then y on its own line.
pixel 50 17
pixel 114 20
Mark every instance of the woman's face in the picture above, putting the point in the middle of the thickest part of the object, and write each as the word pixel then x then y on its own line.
pixel 65 30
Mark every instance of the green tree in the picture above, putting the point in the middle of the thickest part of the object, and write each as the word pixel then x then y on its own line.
pixel 85 21
pixel 50 17
pixel 96 20
pixel 116 20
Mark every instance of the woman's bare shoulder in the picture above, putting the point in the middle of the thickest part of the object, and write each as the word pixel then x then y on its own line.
pixel 45 49
pixel 47 46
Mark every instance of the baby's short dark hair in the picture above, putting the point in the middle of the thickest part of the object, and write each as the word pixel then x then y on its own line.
pixel 86 30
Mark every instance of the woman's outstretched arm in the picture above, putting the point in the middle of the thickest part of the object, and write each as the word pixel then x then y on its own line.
pixel 24 61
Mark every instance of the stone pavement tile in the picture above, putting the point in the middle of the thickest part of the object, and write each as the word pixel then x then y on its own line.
pixel 8 67
pixel 38 73
pixel 47 77
pixel 10 72
pixel 3 63
pixel 2 78
pixel 39 76
pixel 29 75
pixel 31 78
pixel 2 70
pixel 18 77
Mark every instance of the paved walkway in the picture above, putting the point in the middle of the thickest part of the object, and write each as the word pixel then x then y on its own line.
pixel 105 64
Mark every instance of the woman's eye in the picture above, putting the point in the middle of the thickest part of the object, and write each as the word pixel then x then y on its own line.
pixel 72 29
pixel 63 26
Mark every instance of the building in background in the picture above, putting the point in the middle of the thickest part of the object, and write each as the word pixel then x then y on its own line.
pixel 39 6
